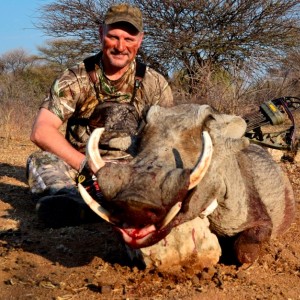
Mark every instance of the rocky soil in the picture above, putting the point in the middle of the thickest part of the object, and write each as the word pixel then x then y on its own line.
pixel 90 262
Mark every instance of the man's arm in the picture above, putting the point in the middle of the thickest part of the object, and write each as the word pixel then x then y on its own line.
pixel 46 135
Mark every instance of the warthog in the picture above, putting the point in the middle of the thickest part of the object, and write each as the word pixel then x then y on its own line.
pixel 190 162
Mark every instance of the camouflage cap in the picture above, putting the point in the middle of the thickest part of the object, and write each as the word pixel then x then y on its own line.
pixel 124 13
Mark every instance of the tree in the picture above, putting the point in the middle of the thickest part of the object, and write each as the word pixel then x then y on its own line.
pixel 16 61
pixel 61 53
pixel 23 84
pixel 191 35
pixel 76 19
pixel 286 74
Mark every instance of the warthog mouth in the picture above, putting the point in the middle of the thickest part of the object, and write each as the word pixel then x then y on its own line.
pixel 135 237
pixel 151 233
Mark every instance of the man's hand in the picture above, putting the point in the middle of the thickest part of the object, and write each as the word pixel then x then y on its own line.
pixel 88 180
pixel 85 174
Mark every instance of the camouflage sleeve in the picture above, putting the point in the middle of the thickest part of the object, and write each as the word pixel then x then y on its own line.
pixel 64 94
pixel 157 90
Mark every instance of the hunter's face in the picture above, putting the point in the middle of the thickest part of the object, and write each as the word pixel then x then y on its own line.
pixel 120 44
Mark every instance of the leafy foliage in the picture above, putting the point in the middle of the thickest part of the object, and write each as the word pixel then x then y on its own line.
pixel 62 53
pixel 23 85
pixel 188 34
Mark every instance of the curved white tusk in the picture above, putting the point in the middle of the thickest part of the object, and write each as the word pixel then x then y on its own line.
pixel 95 207
pixel 171 214
pixel 203 162
pixel 209 209
pixel 92 150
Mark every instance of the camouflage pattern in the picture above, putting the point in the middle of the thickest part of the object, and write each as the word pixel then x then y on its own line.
pixel 47 174
pixel 124 13
pixel 75 95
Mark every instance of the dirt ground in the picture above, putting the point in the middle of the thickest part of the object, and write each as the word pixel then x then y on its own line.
pixel 90 262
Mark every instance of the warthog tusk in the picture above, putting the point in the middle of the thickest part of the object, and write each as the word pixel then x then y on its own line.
pixel 171 214
pixel 92 150
pixel 203 162
pixel 95 206
pixel 209 209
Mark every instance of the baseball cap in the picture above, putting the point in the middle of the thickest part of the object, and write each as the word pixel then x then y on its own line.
pixel 124 13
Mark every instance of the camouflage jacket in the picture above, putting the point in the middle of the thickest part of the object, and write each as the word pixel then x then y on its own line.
pixel 84 103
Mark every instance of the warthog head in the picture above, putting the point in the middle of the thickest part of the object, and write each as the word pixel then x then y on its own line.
pixel 148 196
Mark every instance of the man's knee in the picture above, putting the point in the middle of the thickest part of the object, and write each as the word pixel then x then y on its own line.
pixel 46 172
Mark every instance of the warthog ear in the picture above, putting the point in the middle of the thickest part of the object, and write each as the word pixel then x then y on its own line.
pixel 229 126
pixel 227 133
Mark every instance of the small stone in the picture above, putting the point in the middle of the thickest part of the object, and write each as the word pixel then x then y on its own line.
pixel 88 280
pixel 9 282
pixel 206 276
pixel 195 280
pixel 106 289
pixel 241 274
pixel 212 271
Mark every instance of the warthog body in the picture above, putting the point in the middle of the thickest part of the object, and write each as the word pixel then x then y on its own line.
pixel 151 194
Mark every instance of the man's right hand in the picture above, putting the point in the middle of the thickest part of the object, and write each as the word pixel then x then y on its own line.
pixel 89 181
pixel 85 175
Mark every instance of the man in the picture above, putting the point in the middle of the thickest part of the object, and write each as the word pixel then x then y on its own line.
pixel 111 90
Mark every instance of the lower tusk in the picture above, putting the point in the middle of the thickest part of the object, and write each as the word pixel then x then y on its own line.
pixel 209 209
pixel 95 207
pixel 171 215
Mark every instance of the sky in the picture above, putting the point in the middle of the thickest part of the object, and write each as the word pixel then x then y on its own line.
pixel 16 25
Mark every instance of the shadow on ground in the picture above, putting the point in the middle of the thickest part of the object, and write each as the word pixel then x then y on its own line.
pixel 69 246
